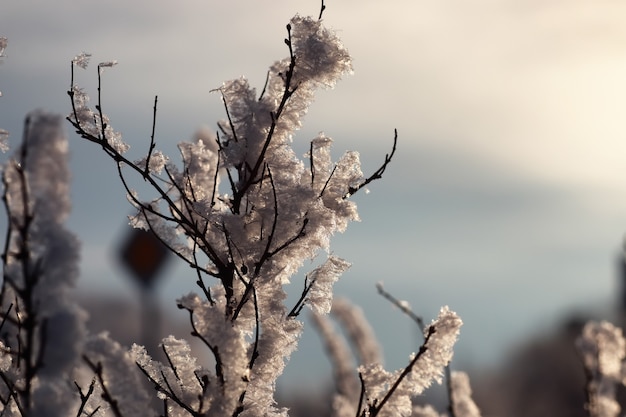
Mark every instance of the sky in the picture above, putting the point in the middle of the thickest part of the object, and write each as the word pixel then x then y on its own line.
pixel 506 200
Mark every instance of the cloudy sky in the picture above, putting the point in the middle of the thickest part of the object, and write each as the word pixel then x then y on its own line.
pixel 507 199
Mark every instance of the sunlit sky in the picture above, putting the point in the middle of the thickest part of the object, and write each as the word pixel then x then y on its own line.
pixel 507 199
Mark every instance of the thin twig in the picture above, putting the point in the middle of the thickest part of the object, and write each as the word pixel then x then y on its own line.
pixel 214 349
pixel 152 144
pixel 322 10
pixel 327 181
pixel 402 306
pixel 379 172
pixel 361 395
pixel 376 409
pixel 180 219
pixel 106 394
pixel 85 397
pixel 267 81
pixel 169 360
pixel 312 164
pixel 448 376
pixel 287 93
pixel 297 308
pixel 270 238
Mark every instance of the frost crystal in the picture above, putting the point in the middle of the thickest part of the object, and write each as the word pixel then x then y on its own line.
pixel 156 164
pixel 323 278
pixel 106 64
pixel 82 60
pixel 5 357
pixel 93 124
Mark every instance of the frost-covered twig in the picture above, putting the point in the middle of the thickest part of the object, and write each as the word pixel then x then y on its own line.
pixel 84 398
pixel 389 394
pixel 106 394
pixel 359 331
pixel 376 407
pixel 378 174
pixel 461 402
pixel 602 348
pixel 402 305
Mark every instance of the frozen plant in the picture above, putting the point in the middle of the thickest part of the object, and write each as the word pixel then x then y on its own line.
pixel 245 213
pixel 42 329
pixel 461 402
pixel 373 391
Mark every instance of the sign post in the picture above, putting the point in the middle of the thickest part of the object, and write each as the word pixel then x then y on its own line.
pixel 144 255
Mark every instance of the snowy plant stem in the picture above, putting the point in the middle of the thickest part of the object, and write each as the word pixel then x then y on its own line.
pixel 26 327
pixel 152 144
pixel 378 174
pixel 375 409
pixel 450 391
pixel 403 306
pixel 287 93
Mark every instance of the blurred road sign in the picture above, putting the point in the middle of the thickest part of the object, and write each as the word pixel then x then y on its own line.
pixel 144 255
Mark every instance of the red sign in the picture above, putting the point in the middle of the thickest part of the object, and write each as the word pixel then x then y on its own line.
pixel 144 255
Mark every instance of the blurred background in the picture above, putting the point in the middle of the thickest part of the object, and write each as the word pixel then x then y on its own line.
pixel 506 199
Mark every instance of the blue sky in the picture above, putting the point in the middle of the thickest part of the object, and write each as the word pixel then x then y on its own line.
pixel 507 199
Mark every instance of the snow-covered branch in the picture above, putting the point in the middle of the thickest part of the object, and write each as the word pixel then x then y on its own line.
pixel 254 231
pixel 43 330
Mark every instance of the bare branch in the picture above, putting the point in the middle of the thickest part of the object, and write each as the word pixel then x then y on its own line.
pixel 361 396
pixel 106 394
pixel 402 306
pixel 214 349
pixel 84 397
pixel 321 10
pixel 267 81
pixel 297 308
pixel 450 391
pixel 230 119
pixel 327 181
pixel 152 144
pixel 379 172
pixel 169 360
pixel 311 164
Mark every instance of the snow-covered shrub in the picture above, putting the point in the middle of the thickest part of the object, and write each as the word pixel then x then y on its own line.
pixel 245 212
